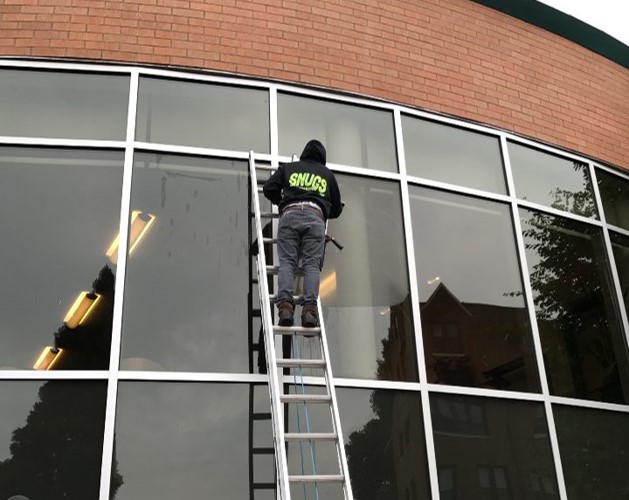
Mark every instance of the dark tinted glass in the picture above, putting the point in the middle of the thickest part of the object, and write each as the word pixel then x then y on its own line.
pixel 615 197
pixel 620 245
pixel 187 280
pixel 190 440
pixel 551 180
pixel 365 287
pixel 474 320
pixel 577 316
pixel 51 439
pixel 203 114
pixel 449 154
pixel 59 210
pixel 63 105
pixel 593 447
pixel 384 442
pixel 490 449
pixel 352 135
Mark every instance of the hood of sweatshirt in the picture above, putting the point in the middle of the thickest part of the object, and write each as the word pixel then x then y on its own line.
pixel 314 151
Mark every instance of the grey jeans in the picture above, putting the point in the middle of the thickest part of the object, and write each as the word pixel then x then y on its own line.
pixel 300 233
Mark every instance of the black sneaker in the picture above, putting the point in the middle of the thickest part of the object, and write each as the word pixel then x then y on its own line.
pixel 286 310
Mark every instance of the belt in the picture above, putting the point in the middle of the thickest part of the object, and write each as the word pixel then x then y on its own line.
pixel 302 206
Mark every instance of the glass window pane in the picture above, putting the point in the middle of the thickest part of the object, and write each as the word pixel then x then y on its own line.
pixel 51 439
pixel 203 114
pixel 577 316
pixel 385 420
pixel 352 135
pixel 190 440
pixel 59 211
pixel 615 197
pixel 365 287
pixel 449 154
pixel 187 280
pixel 620 245
pixel 496 458
pixel 63 105
pixel 474 321
pixel 551 180
pixel 593 447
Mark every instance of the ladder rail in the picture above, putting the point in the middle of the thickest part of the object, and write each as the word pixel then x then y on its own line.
pixel 269 341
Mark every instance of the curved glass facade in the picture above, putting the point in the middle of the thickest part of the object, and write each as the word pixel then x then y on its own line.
pixel 476 317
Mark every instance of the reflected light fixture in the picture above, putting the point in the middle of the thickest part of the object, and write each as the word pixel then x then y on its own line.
pixel 80 310
pixel 328 285
pixel 140 224
pixel 433 280
pixel 48 357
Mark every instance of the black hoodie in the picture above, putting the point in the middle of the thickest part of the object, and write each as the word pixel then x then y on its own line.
pixel 306 180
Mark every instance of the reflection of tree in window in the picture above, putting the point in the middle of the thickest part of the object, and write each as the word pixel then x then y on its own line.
pixel 57 454
pixel 576 313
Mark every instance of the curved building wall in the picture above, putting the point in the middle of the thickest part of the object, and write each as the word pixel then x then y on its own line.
pixel 455 56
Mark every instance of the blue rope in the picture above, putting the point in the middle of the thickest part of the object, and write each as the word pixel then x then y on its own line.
pixel 296 354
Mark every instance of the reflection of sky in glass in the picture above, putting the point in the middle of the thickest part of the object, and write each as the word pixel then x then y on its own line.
pixel 468 244
pixel 538 175
pixel 186 440
pixel 187 282
pixel 615 197
pixel 449 154
pixel 63 105
pixel 206 115
pixel 352 135
pixel 59 211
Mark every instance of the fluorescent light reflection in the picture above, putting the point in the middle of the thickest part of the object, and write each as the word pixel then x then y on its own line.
pixel 80 310
pixel 140 224
pixel 327 286
pixel 47 359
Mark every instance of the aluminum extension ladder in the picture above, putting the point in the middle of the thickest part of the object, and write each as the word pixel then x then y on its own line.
pixel 276 387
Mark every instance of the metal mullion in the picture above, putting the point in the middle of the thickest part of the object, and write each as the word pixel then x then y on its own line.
pixel 377 384
pixel 67 143
pixel 53 375
pixel 450 120
pixel 431 456
pixel 116 335
pixel 65 66
pixel 544 147
pixel 274 128
pixel 331 97
pixel 193 150
pixel 583 403
pixel 443 186
pixel 619 230
pixel 364 172
pixel 558 213
pixel 611 260
pixel 233 81
pixel 238 378
pixel 486 393
pixel 530 306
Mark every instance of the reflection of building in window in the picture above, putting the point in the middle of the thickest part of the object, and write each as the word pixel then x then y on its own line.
pixel 543 486
pixel 475 344
pixel 446 475
pixel 494 483
pixel 460 416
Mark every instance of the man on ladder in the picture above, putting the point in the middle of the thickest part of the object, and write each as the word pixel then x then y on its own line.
pixel 308 195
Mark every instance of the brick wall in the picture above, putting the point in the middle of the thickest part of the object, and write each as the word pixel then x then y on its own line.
pixel 451 56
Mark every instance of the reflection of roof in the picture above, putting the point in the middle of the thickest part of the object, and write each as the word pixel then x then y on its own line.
pixel 442 289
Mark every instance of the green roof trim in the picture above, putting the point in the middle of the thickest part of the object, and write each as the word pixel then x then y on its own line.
pixel 571 28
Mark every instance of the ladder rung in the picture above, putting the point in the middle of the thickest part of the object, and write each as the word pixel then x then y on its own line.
pixel 269 215
pixel 303 363
pixel 269 240
pixel 310 436
pixel 301 330
pixel 275 270
pixel 265 167
pixel 262 416
pixel 264 486
pixel 263 451
pixel 297 299
pixel 320 478
pixel 305 398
